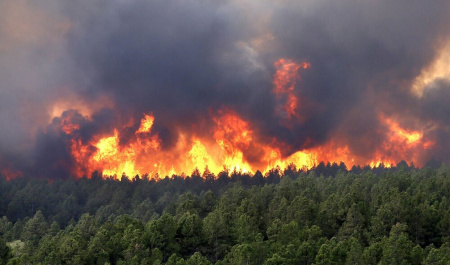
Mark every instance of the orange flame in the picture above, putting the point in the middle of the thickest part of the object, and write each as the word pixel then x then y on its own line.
pixel 67 126
pixel 284 80
pixel 143 154
pixel 233 143
pixel 233 135
pixel 11 173
pixel 402 143
pixel 402 135
pixel 146 124
pixel 232 139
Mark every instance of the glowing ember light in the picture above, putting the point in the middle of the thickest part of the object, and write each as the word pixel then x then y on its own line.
pixel 231 130
pixel 400 144
pixel 10 173
pixel 232 138
pixel 233 135
pixel 68 127
pixel 439 69
pixel 410 137
pixel 233 144
pixel 309 158
pixel 115 161
pixel 146 124
pixel 284 81
pixel 107 147
pixel 74 102
pixel 200 157
pixel 379 163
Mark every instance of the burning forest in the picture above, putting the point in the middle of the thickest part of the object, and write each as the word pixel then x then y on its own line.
pixel 165 88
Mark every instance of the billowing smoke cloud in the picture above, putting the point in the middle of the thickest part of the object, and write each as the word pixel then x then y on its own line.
pixel 102 64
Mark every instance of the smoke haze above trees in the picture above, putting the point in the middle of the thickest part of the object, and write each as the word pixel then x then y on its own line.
pixel 102 65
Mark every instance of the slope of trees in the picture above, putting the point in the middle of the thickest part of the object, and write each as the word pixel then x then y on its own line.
pixel 328 215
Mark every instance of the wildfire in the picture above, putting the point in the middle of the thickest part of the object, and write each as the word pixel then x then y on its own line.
pixel 284 81
pixel 10 173
pixel 143 153
pixel 401 143
pixel 200 156
pixel 400 134
pixel 115 160
pixel 146 124
pixel 68 126
pixel 233 143
pixel 234 136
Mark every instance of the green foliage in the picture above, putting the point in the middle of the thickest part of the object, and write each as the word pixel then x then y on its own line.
pixel 5 252
pixel 326 216
pixel 34 230
pixel 197 259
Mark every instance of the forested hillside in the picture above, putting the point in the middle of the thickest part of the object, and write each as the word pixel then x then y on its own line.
pixel 329 215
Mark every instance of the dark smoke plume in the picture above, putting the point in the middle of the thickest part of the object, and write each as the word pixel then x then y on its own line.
pixel 185 60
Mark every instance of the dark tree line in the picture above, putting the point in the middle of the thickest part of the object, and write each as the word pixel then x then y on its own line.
pixel 328 215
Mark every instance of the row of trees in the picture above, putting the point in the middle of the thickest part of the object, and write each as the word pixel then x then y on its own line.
pixel 64 199
pixel 399 217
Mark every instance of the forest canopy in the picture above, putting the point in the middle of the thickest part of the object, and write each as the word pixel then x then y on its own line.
pixel 328 215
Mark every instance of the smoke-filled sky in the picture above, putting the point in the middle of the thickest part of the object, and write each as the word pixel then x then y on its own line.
pixel 103 64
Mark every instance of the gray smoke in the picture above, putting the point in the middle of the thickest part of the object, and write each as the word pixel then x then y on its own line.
pixel 182 60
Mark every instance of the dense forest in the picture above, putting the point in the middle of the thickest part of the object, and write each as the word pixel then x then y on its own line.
pixel 327 215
